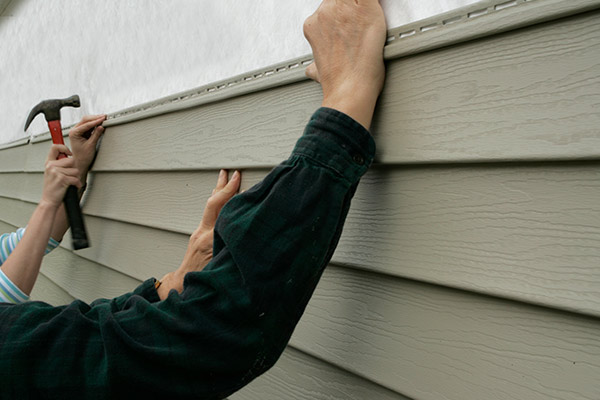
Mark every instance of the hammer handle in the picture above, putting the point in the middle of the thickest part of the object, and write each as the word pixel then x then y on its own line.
pixel 71 200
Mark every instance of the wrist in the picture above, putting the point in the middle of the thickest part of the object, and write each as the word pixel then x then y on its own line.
pixel 359 104
pixel 48 205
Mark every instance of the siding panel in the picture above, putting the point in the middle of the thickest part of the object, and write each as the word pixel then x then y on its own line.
pixel 429 342
pixel 415 300
pixel 49 292
pixel 527 232
pixel 44 289
pixel 14 158
pixel 297 376
pixel 79 277
pixel 530 94
pixel 135 250
pixel 84 279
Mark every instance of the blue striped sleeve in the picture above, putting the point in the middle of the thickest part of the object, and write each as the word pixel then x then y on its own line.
pixel 9 241
pixel 9 292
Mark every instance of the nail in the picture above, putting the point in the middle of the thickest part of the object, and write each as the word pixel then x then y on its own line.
pixel 236 174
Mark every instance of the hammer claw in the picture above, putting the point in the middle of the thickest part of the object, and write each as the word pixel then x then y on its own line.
pixel 51 110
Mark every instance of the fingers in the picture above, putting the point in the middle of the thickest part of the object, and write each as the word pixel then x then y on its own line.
pixel 222 181
pixel 88 118
pixel 88 128
pixel 57 149
pixel 224 191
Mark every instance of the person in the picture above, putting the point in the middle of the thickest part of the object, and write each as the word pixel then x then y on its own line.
pixel 229 322
pixel 21 251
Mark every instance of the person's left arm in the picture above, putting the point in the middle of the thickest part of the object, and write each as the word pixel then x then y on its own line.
pixel 83 139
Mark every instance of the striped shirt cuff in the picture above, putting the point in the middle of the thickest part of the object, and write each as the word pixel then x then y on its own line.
pixel 9 292
pixel 52 244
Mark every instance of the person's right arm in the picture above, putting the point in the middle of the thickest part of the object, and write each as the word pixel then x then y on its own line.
pixel 233 319
pixel 23 264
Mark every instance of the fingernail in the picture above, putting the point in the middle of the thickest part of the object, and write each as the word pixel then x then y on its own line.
pixel 237 174
pixel 222 173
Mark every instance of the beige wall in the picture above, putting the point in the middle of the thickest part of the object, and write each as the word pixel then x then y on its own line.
pixel 468 268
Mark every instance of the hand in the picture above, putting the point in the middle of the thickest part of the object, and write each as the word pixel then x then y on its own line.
pixel 58 176
pixel 347 39
pixel 200 247
pixel 83 138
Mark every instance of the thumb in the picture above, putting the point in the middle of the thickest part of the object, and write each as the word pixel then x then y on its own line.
pixel 57 149
pixel 312 72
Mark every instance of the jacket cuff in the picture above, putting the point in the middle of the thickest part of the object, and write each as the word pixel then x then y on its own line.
pixel 337 141
pixel 147 290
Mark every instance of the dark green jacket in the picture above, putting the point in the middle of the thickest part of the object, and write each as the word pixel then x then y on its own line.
pixel 231 322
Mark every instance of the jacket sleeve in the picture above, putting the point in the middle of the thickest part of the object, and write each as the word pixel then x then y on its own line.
pixel 232 320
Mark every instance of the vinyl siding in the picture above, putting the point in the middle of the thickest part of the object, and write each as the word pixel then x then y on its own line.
pixel 468 267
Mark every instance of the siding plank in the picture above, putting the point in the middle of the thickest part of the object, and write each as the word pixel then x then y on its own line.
pixel 527 232
pixel 84 279
pixel 79 277
pixel 529 94
pixel 134 250
pixel 15 212
pixel 430 342
pixel 47 291
pixel 13 159
pixel 13 184
pixel 297 376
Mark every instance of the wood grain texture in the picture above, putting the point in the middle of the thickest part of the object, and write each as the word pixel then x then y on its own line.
pixel 134 250
pixel 13 184
pixel 26 157
pixel 430 342
pixel 47 291
pixel 526 232
pixel 522 231
pixel 84 279
pixel 78 276
pixel 15 212
pixel 38 153
pixel 298 376
pixel 14 158
pixel 530 94
pixel 480 19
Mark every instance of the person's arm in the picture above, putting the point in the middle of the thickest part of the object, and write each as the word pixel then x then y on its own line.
pixel 233 319
pixel 200 247
pixel 348 56
pixel 83 139
pixel 23 265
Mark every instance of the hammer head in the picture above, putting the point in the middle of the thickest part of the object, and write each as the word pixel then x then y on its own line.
pixel 51 108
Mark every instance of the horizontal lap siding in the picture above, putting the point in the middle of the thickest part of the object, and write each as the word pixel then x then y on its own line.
pixel 297 376
pixel 531 94
pixel 528 232
pixel 430 342
pixel 415 301
pixel 49 292
pixel 45 289
pixel 78 276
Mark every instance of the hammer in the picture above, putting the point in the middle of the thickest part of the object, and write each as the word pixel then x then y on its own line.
pixel 51 110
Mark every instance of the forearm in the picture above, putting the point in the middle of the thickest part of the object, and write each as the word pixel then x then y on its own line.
pixel 355 100
pixel 232 320
pixel 23 265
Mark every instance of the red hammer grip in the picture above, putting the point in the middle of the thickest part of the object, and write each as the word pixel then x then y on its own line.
pixel 57 136
pixel 74 215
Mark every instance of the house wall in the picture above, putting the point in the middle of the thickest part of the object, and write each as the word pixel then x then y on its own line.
pixel 468 267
